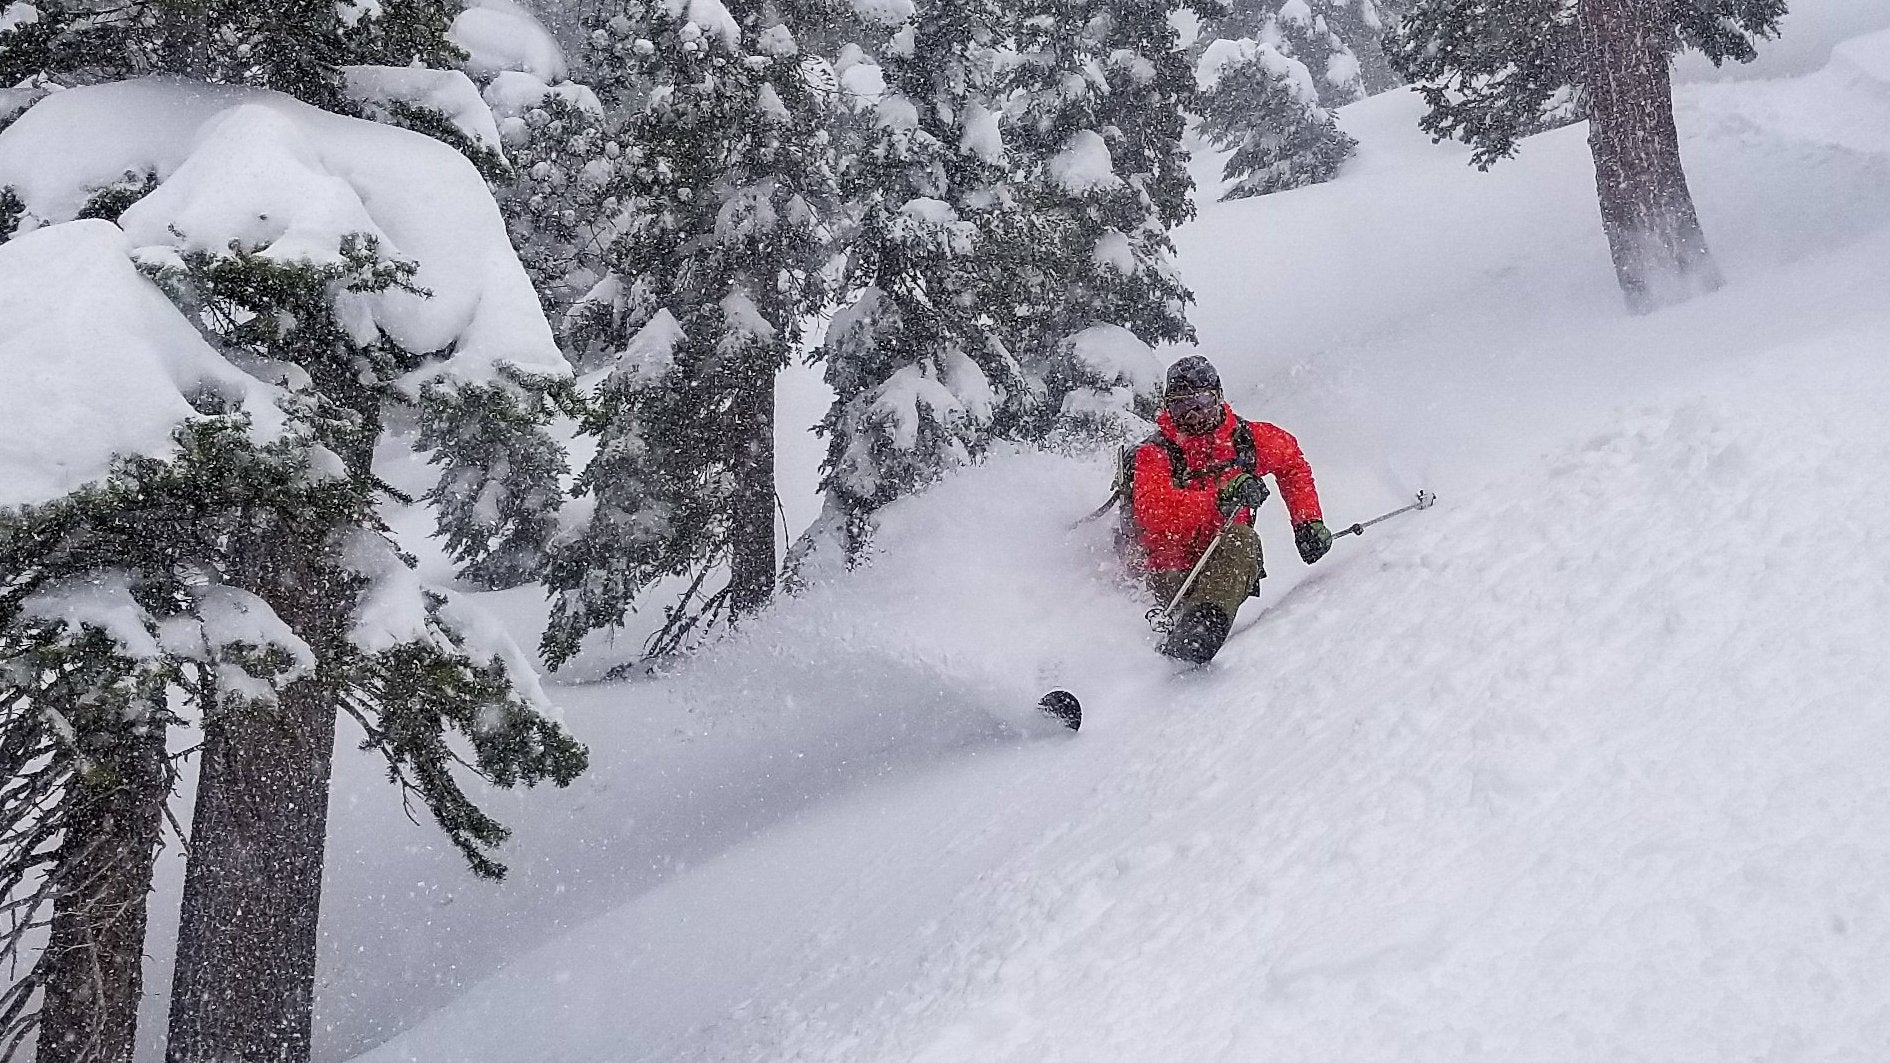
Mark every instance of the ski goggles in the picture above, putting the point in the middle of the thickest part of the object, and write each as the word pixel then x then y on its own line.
pixel 1193 403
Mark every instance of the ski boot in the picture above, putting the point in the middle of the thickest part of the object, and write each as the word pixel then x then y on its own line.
pixel 1198 635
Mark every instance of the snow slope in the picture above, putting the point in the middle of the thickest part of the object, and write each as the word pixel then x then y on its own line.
pixel 1586 763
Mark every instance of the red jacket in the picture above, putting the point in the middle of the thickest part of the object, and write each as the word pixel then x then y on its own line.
pixel 1175 522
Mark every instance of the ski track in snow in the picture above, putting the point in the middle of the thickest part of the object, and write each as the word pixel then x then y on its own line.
pixel 1587 762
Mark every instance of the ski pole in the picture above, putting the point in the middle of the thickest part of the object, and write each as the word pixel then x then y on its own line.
pixel 1099 511
pixel 1425 500
pixel 1162 620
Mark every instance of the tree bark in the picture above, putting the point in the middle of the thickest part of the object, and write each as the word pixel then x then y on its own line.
pixel 94 973
pixel 244 987
pixel 1660 253
pixel 245 982
pixel 752 560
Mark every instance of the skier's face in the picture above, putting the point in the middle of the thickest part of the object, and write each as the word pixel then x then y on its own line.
pixel 1196 413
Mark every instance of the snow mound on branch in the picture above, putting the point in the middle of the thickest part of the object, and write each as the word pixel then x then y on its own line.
pixel 13 16
pixel 956 393
pixel 885 12
pixel 743 321
pixel 73 307
pixel 1114 251
pixel 228 615
pixel 865 84
pixel 930 211
pixel 1342 70
pixel 1114 353
pixel 292 181
pixel 1084 164
pixel 898 112
pixel 1286 70
pixel 709 16
pixel 447 91
pixel 513 95
pixel 396 608
pixel 233 189
pixel 500 35
pixel 983 138
pixel 393 609
pixel 651 353
pixel 1115 368
pixel 104 604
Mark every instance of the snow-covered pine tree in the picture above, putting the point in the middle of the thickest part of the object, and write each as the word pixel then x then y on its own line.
pixel 1269 75
pixel 726 198
pixel 501 486
pixel 560 199
pixel 1340 41
pixel 559 144
pixel 1364 25
pixel 539 140
pixel 918 367
pixel 353 59
pixel 82 741
pixel 1304 30
pixel 292 46
pixel 1491 74
pixel 245 890
pixel 116 615
pixel 1495 72
pixel 1261 105
pixel 390 60
pixel 323 304
pixel 1094 124
pixel 112 611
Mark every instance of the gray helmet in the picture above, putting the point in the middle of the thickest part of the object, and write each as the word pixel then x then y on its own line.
pixel 1191 374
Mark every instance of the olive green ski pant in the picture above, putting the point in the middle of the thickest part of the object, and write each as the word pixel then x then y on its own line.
pixel 1226 580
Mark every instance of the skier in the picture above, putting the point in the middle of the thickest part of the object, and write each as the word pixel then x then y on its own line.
pixel 1199 471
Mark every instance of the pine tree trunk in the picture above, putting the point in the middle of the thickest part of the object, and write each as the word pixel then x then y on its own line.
pixel 244 987
pixel 245 983
pixel 94 973
pixel 1660 253
pixel 752 561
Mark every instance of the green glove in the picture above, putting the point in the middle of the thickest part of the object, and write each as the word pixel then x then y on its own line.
pixel 1245 491
pixel 1313 540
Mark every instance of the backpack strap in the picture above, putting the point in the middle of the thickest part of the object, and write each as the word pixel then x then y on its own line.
pixel 1246 457
pixel 1177 459
pixel 1123 489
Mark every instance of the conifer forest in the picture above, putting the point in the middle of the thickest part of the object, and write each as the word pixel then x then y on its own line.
pixel 534 530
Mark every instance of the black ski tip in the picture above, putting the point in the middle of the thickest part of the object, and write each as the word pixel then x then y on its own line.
pixel 1063 705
